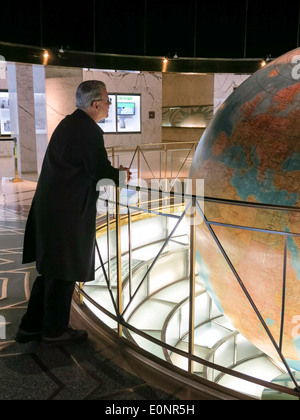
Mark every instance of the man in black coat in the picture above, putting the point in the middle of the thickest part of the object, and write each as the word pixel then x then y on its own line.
pixel 60 230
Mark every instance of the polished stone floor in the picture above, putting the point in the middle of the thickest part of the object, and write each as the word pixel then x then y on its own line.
pixel 28 371
pixel 93 371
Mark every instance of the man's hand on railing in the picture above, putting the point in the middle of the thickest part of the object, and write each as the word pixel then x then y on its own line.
pixel 128 172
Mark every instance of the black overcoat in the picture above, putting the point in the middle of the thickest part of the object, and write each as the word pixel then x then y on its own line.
pixel 60 230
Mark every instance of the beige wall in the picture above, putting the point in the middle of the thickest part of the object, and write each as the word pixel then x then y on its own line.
pixel 177 134
pixel 60 86
pixel 3 84
pixel 186 90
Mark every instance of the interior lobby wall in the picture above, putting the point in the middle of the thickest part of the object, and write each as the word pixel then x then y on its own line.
pixel 149 86
pixel 60 86
pixel 224 85
pixel 52 97
pixel 3 84
pixel 189 91
pixel 194 92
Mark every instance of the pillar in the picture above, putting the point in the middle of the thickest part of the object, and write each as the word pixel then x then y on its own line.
pixel 22 112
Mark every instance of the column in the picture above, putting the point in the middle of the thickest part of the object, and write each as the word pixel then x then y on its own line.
pixel 40 114
pixel 22 111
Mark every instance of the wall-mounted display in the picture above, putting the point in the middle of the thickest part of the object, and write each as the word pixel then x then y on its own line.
pixel 124 114
pixel 5 128
pixel 126 108
pixel 129 113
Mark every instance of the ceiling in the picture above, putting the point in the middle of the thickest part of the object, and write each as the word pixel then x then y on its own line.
pixel 225 29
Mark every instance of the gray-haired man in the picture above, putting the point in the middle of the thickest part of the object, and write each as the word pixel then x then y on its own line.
pixel 60 230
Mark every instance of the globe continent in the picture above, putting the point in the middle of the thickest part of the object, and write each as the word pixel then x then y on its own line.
pixel 250 152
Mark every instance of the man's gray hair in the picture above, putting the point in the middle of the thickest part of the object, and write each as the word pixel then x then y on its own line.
pixel 87 92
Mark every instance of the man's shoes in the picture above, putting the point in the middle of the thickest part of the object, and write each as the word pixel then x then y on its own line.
pixel 70 336
pixel 25 336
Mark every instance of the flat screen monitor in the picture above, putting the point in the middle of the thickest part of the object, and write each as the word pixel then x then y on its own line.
pixel 126 108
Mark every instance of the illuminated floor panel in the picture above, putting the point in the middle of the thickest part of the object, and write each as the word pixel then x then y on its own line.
pixel 176 292
pixel 151 315
pixel 209 334
pixel 161 310
pixel 260 368
pixel 148 345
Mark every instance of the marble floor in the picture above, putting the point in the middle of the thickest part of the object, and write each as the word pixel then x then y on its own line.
pixel 29 372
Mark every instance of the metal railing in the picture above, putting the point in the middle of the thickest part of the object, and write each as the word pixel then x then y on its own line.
pixel 155 163
pixel 164 154
pixel 179 211
pixel 15 154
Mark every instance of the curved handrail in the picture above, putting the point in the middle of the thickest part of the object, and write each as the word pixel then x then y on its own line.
pixel 193 200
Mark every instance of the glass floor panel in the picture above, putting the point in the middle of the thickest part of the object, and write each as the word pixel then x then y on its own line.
pixel 151 315
pixel 259 367
pixel 209 334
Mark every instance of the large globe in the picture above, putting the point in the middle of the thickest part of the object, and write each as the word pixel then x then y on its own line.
pixel 250 152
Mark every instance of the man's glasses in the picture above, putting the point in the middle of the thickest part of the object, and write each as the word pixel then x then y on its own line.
pixel 107 101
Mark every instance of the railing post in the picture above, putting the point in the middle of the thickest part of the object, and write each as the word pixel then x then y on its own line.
pixel 119 266
pixel 166 163
pixel 192 289
pixel 15 152
pixel 139 174
pixel 80 294
pixel 113 156
pixel 108 245
pixel 129 252
pixel 283 294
